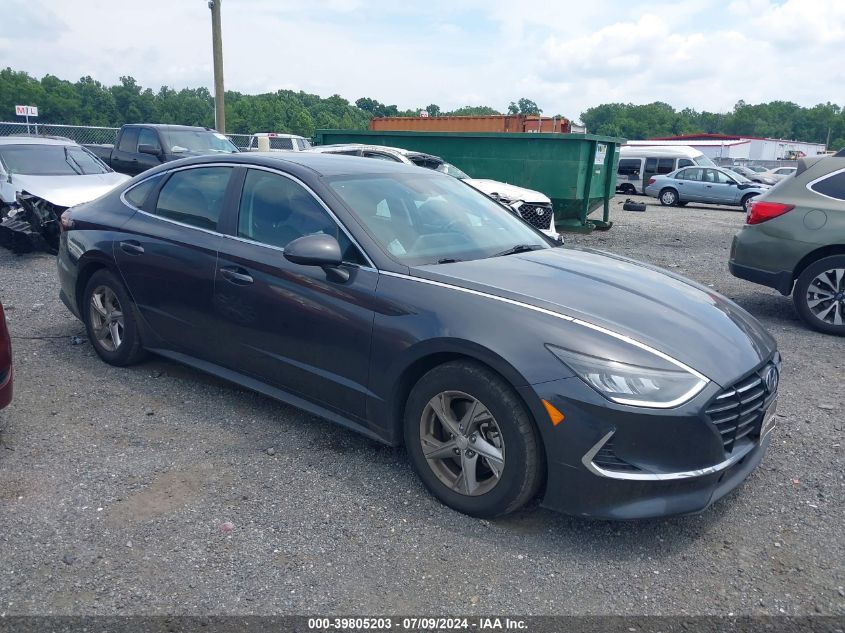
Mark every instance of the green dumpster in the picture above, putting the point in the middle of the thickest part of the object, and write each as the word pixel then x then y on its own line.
pixel 577 171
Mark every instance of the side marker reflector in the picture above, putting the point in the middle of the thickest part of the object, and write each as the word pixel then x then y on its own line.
pixel 554 415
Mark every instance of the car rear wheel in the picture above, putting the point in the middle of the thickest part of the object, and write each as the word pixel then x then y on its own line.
pixel 111 320
pixel 668 197
pixel 628 189
pixel 746 202
pixel 819 295
pixel 471 441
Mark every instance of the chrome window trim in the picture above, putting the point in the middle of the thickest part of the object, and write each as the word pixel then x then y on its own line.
pixel 587 460
pixel 371 266
pixel 825 177
pixel 565 317
pixel 137 184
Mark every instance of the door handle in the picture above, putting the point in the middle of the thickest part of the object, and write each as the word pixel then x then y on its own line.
pixel 132 247
pixel 237 276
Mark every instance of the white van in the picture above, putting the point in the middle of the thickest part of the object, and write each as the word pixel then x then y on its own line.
pixel 638 163
pixel 279 142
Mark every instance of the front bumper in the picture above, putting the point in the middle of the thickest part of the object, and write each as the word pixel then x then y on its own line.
pixel 614 462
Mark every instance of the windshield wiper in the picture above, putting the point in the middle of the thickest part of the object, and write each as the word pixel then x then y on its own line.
pixel 448 260
pixel 519 248
pixel 70 161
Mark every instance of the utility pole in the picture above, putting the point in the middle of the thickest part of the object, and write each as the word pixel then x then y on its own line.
pixel 217 48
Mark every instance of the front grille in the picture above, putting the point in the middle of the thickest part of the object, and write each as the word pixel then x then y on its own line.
pixel 737 412
pixel 607 459
pixel 538 216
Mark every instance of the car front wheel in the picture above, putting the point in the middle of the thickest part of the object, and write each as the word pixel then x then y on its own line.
pixel 471 440
pixel 819 295
pixel 111 320
pixel 668 197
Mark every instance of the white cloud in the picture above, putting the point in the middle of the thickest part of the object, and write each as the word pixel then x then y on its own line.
pixel 705 54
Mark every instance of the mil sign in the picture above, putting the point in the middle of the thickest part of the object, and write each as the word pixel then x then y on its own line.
pixel 27 111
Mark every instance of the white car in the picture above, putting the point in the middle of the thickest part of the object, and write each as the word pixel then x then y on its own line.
pixel 532 206
pixel 279 142
pixel 779 173
pixel 40 178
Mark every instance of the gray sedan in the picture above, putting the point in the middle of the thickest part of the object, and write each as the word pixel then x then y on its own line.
pixel 712 185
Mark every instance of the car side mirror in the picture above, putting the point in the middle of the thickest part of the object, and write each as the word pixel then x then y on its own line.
pixel 320 250
pixel 149 149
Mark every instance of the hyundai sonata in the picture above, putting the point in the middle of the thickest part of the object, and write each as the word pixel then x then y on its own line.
pixel 410 307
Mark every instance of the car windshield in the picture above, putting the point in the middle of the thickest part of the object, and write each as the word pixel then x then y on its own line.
pixel 50 160
pixel 756 168
pixel 736 176
pixel 426 218
pixel 197 141
pixel 450 170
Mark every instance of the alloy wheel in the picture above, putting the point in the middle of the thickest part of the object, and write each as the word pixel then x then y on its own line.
pixel 462 443
pixel 826 296
pixel 107 318
pixel 668 198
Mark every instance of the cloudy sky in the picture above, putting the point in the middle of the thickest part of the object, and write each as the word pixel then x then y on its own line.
pixel 565 55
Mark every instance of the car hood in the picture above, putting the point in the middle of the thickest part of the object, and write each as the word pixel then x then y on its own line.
pixel 67 191
pixel 674 315
pixel 504 190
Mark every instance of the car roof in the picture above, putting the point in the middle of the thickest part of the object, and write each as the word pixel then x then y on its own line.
pixel 377 148
pixel 314 162
pixel 34 140
pixel 277 135
pixel 170 126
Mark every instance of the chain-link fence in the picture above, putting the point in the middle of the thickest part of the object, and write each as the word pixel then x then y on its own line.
pixel 84 133
pixel 79 133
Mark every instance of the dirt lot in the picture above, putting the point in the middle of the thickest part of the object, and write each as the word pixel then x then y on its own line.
pixel 115 485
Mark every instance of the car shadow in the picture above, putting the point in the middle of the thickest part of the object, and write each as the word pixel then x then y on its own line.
pixel 532 531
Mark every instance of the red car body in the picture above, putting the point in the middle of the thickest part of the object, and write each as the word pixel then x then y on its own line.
pixel 5 362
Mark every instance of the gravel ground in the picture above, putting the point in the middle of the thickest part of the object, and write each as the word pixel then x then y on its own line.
pixel 158 489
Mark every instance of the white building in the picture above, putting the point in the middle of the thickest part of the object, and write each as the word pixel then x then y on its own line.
pixel 740 148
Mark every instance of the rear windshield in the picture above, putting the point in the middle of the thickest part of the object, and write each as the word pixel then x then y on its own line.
pixel 704 161
pixel 197 141
pixel 50 160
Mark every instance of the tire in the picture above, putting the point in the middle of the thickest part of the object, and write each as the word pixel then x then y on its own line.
pixel 628 189
pixel 746 201
pixel 116 339
pixel 668 197
pixel 812 289
pixel 503 430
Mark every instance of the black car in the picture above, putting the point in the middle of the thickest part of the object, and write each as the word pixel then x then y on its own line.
pixel 408 306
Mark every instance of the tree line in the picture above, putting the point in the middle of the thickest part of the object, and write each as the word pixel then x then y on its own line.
pixel 822 123
pixel 89 102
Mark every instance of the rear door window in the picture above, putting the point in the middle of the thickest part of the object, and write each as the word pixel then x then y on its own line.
pixel 194 196
pixel 277 142
pixel 665 165
pixel 690 174
pixel 629 167
pixel 138 194
pixel 651 165
pixel 832 186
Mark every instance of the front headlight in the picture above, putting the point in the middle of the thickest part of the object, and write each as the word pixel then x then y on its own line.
pixel 662 386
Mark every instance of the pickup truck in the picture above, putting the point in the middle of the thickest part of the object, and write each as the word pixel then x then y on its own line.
pixel 141 146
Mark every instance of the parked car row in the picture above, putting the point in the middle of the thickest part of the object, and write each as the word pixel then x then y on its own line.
pixel 373 293
pixel 712 185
